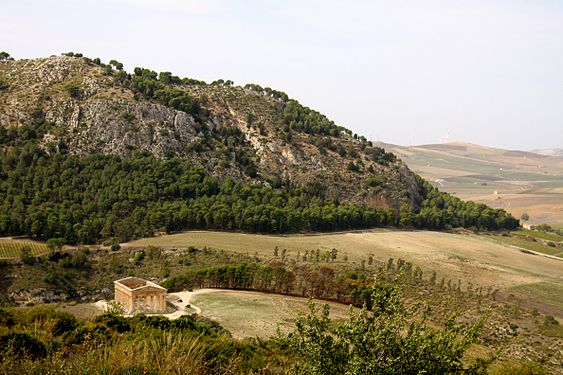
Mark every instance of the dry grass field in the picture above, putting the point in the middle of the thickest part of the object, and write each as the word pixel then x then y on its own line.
pixel 474 259
pixel 263 314
pixel 520 182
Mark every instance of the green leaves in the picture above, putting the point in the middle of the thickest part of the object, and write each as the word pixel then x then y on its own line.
pixel 393 338
pixel 301 118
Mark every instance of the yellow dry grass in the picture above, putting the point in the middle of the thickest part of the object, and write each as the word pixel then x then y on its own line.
pixel 471 258
pixel 253 314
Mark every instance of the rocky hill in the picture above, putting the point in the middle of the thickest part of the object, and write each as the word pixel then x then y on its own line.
pixel 246 133
pixel 90 151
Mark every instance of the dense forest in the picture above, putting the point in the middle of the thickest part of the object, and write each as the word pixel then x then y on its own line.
pixel 90 198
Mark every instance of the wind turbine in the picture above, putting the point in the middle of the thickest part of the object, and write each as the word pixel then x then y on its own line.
pixel 445 139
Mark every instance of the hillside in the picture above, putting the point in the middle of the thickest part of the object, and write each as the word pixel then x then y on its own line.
pixel 92 152
pixel 518 181
pixel 227 130
pixel 550 152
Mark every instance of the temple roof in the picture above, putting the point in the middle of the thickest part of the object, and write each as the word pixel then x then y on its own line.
pixel 136 283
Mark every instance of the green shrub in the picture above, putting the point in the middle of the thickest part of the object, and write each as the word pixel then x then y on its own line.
pixel 64 323
pixel 25 255
pixel 113 321
pixel 23 345
pixel 6 318
pixel 73 89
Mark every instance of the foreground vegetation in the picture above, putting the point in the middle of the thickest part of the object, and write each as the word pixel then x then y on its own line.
pixel 391 337
pixel 74 275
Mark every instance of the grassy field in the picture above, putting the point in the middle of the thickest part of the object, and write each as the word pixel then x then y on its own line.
pixel 10 248
pixel 549 236
pixel 475 259
pixel 261 314
pixel 531 245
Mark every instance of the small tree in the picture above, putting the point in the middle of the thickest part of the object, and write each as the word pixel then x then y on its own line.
pixel 26 256
pixel 525 216
pixel 5 56
pixel 333 254
pixel 116 64
pixel 393 338
pixel 55 244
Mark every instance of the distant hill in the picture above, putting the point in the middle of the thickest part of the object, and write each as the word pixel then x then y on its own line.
pixel 519 181
pixel 550 152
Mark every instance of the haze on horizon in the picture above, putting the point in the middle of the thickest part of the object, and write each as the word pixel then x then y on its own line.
pixel 483 72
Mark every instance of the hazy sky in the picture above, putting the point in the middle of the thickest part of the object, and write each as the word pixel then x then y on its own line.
pixel 487 72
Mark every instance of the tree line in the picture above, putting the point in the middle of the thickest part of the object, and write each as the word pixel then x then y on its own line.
pixel 85 199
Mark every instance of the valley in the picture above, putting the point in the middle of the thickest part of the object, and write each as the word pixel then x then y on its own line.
pixel 479 261
pixel 518 181
pixel 247 203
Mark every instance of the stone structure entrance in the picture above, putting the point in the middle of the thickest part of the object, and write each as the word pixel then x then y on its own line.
pixel 140 296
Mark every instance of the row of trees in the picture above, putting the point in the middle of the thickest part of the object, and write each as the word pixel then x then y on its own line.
pixel 267 91
pixel 300 118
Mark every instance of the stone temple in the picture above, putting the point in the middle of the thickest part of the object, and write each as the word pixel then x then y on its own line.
pixel 140 296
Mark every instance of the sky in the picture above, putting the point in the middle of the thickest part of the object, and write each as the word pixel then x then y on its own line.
pixel 488 72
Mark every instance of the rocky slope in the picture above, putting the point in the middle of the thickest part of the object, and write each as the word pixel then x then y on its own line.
pixel 245 133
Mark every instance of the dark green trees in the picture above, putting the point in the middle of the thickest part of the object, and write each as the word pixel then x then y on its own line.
pixel 5 56
pixel 85 199
pixel 301 118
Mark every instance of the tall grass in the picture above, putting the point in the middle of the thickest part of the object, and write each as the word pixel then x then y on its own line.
pixel 156 352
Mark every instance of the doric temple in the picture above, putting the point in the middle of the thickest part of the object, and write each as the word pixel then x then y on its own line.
pixel 140 296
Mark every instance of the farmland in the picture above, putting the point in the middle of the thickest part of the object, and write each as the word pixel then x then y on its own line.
pixel 10 248
pixel 520 182
pixel 476 260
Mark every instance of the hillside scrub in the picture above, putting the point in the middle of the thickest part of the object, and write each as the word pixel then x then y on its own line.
pixel 392 337
pixel 42 339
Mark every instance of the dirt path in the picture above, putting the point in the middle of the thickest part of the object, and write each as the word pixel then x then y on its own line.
pixel 528 251
pixel 185 298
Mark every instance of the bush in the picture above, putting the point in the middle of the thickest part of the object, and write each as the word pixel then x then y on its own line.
pixel 65 322
pixel 158 322
pixel 25 255
pixel 23 345
pixel 73 89
pixel 113 322
pixel 374 342
pixel 6 318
